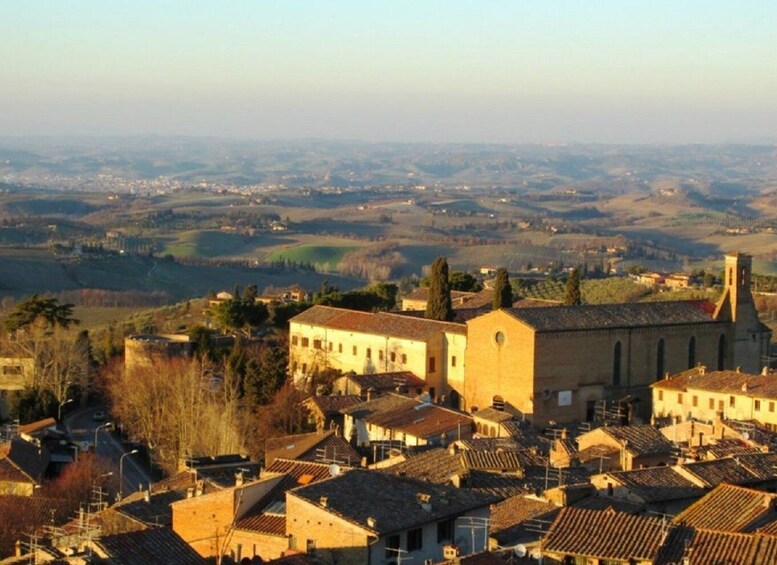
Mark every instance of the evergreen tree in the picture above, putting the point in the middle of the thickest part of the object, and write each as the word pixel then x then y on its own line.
pixel 438 305
pixel 573 289
pixel 503 292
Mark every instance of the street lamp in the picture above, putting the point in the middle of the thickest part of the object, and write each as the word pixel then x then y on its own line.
pixel 121 471
pixel 106 425
pixel 59 408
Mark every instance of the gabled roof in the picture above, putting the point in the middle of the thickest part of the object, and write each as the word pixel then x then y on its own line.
pixel 639 440
pixel 383 504
pixel 38 426
pixel 613 316
pixel 437 465
pixel 658 484
pixel 308 447
pixel 408 415
pixel 379 323
pixel 730 508
pixel 717 471
pixel 157 545
pixel 508 518
pixel 332 403
pixel 604 534
pixel 707 546
pixel 20 461
pixel 491 414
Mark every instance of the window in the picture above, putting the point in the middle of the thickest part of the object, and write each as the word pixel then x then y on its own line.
pixel 660 394
pixel 616 365
pixel 331 346
pixel 432 367
pixel 392 544
pixel 498 403
pixel 339 347
pixel 305 342
pixel 712 404
pixel 732 401
pixel 355 350
pixel 660 360
pixel 679 398
pixel 720 406
pixel 695 401
pixel 453 361
pixel 499 338
pixel 415 539
pixel 444 531
pixel 404 358
pixel 316 344
pixel 12 370
pixel 294 340
pixel 692 352
pixel 369 353
pixel 757 405
pixel 771 407
pixel 380 354
pixel 293 366
pixel 304 367
pixel 393 356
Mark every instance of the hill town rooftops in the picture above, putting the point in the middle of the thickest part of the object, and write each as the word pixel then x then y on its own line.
pixel 725 382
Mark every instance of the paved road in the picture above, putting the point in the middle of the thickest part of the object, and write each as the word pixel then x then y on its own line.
pixel 82 428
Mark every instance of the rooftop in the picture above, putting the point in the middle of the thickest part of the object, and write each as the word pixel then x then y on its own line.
pixel 639 440
pixel 730 508
pixel 311 447
pixel 156 545
pixel 656 484
pixel 387 381
pixel 383 503
pixel 725 382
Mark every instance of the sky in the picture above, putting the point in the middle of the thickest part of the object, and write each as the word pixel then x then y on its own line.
pixel 539 71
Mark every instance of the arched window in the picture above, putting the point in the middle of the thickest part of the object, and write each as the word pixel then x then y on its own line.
pixel 721 352
pixel 498 403
pixel 692 352
pixel 616 364
pixel 660 360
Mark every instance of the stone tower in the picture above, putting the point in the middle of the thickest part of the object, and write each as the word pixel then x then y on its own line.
pixel 747 344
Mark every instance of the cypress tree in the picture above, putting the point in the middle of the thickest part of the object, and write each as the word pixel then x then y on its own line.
pixel 573 289
pixel 438 305
pixel 503 293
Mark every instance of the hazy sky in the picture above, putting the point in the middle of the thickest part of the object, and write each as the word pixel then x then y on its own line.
pixel 419 70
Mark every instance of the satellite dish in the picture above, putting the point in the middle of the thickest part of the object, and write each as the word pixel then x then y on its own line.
pixel 334 469
pixel 745 436
pixel 520 550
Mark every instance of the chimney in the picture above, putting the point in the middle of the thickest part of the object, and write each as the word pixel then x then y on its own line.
pixel 323 500
pixel 765 371
pixel 147 495
pixel 239 479
pixel 371 522
pixel 190 492
pixel 739 369
pixel 702 369
pixel 425 501
pixel 369 393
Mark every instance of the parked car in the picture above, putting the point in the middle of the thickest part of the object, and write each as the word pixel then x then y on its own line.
pixel 99 416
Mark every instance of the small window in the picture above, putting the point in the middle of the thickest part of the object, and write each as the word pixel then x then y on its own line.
pixel 392 545
pixel 712 404
pixel 757 405
pixel 393 356
pixel 305 342
pixel 453 361
pixel 660 394
pixel 304 367
pixel 695 401
pixel 380 354
pixel 771 407
pixel 331 346
pixel 499 338
pixel 732 401
pixel 293 366
pixel 317 344
pixel 720 405
pixel 415 539
pixel 339 347
pixel 444 531
pixel 432 367
pixel 294 340
pixel 369 353
pixel 355 350
pixel 404 358
pixel 679 398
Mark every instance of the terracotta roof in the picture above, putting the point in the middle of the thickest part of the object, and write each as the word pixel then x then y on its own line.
pixel 492 415
pixel 390 503
pixel 706 546
pixel 509 517
pixel 762 465
pixel 730 508
pixel 435 466
pixel 408 415
pixel 597 453
pixel 656 484
pixel 730 447
pixel 501 460
pixel 725 382
pixel 298 469
pixel 155 512
pixel 491 443
pixel 387 381
pixel 640 440
pixel 334 403
pixel 718 471
pixel 611 316
pixel 33 427
pixel 502 485
pixel 604 534
pixel 157 545
pixel 308 447
pixel 379 323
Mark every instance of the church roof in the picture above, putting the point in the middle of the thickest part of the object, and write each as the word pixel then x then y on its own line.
pixel 612 316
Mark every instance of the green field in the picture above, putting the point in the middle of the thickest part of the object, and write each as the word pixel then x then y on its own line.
pixel 325 256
